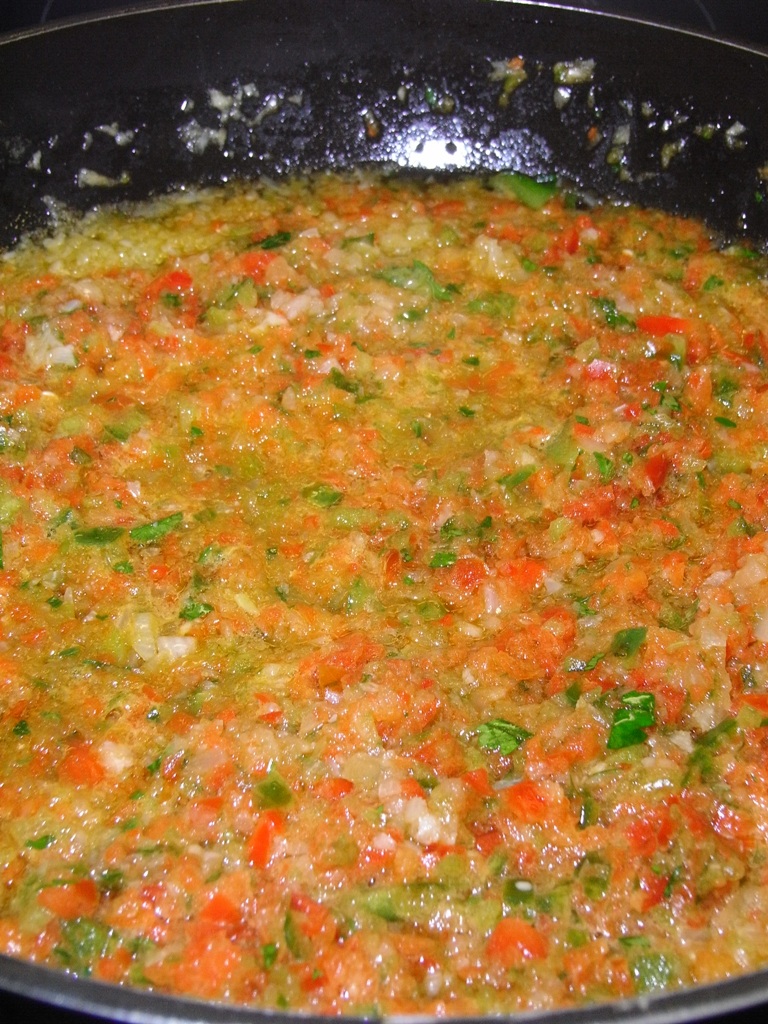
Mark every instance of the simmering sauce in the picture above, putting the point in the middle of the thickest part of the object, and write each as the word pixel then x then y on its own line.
pixel 384 598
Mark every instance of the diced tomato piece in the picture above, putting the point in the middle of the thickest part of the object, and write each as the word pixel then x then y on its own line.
pixel 269 825
pixel 513 941
pixel 656 469
pixel 81 766
pixel 221 910
pixel 650 833
pixel 253 264
pixel 479 780
pixel 658 326
pixel 468 573
pixel 652 888
pixel 526 573
pixel 448 208
pixel 592 504
pixel 333 788
pixel 393 564
pixel 76 899
pixel 527 801
pixel 600 369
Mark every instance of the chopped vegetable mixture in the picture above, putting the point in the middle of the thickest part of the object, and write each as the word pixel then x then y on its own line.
pixel 384 598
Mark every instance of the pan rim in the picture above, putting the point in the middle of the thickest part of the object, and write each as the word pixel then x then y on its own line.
pixel 92 997
pixel 118 1004
pixel 155 6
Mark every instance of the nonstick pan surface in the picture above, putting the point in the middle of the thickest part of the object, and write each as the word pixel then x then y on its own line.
pixel 139 103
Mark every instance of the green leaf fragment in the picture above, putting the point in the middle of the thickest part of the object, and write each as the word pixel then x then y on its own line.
pixel 79 456
pixel 605 467
pixel 344 383
pixel 713 282
pixel 418 277
pixel 511 480
pixel 501 736
pixel 637 713
pixel 495 304
pixel 442 560
pixel 532 192
pixel 40 842
pixel 518 892
pixel 627 642
pixel 611 315
pixel 322 495
pixel 273 791
pixel 652 972
pixel 358 239
pixel 269 955
pixel 275 241
pixel 157 529
pixel 195 610
pixel 98 536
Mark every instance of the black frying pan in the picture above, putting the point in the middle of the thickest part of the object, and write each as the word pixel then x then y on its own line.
pixel 120 107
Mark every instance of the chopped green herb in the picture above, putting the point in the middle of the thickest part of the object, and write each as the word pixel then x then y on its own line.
pixel 98 536
pixel 724 390
pixel 195 610
pixel 40 842
pixel 501 736
pixel 273 791
pixel 532 192
pixel 275 241
pixel 269 953
pixel 442 560
pixel 79 456
pixel 156 530
pixel 611 315
pixel 322 495
pixel 652 973
pixel 418 277
pixel 712 282
pixel 582 605
pixel 495 304
pixel 511 480
pixel 518 892
pixel 344 383
pixel 357 239
pixel 637 713
pixel 628 642
pixel 605 466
